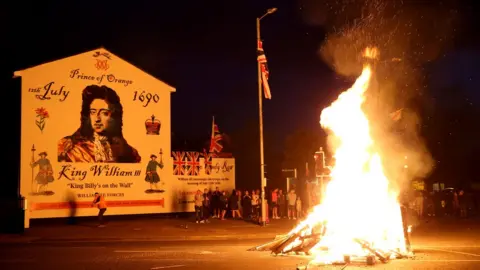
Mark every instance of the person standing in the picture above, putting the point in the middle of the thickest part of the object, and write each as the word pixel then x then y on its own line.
pixel 462 203
pixel 275 204
pixel 281 204
pixel 455 204
pixel 240 205
pixel 292 199
pixel 99 201
pixel 216 203
pixel 233 204
pixel 247 205
pixel 299 208
pixel 206 205
pixel 224 204
pixel 419 204
pixel 199 206
pixel 255 202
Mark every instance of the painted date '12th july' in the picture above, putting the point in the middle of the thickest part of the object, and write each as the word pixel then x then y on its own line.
pixel 145 98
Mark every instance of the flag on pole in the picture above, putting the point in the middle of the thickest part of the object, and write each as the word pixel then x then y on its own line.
pixel 215 140
pixel 262 60
pixel 396 115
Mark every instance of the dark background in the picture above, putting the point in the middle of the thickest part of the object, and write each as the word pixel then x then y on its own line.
pixel 206 50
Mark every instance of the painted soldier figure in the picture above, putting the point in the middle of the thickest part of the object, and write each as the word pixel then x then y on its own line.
pixel 151 174
pixel 45 172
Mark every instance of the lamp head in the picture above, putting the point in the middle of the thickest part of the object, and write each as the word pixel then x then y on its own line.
pixel 271 10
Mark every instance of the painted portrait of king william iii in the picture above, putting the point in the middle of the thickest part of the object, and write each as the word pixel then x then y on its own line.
pixel 99 138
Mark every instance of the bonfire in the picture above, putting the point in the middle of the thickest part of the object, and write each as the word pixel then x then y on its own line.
pixel 359 218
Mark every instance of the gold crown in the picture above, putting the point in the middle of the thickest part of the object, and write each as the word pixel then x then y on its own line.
pixel 153 126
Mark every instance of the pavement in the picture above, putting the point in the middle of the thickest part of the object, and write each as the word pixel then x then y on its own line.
pixel 197 255
pixel 158 229
pixel 150 243
pixel 148 229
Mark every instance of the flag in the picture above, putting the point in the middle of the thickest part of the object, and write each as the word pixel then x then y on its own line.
pixel 262 60
pixel 207 161
pixel 178 163
pixel 396 115
pixel 216 138
pixel 193 164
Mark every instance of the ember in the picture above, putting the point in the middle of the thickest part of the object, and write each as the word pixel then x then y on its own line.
pixel 359 218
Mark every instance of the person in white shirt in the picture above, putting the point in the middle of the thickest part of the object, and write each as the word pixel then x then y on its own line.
pixel 199 207
pixel 255 202
pixel 292 199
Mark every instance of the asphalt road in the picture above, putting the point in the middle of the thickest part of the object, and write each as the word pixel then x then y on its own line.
pixel 208 255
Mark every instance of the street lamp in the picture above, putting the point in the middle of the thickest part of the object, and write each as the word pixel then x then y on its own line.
pixel 260 115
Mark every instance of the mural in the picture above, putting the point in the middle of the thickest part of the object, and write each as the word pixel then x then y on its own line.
pixel 178 163
pixel 44 175
pixel 103 125
pixel 151 175
pixel 153 125
pixel 207 161
pixel 99 137
pixel 198 173
pixel 42 114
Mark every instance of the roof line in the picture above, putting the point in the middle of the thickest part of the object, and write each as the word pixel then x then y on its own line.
pixel 17 73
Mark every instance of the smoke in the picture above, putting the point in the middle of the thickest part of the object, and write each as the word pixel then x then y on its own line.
pixel 407 35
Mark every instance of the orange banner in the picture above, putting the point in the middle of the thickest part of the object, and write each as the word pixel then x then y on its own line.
pixel 67 205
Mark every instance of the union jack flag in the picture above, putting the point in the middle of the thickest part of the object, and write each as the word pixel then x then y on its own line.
pixel 193 164
pixel 215 145
pixel 207 161
pixel 262 60
pixel 178 163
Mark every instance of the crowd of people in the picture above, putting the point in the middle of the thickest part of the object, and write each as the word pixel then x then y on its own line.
pixel 448 202
pixel 246 205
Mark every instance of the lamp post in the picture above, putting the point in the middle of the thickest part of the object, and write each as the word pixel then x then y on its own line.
pixel 260 115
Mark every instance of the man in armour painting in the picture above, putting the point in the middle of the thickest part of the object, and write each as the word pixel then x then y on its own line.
pixel 99 138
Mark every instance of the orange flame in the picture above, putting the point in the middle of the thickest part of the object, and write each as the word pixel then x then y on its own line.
pixel 358 202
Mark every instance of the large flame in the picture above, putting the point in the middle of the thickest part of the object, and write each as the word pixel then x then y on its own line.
pixel 358 204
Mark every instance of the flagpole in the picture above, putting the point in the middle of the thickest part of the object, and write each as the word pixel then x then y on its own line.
pixel 260 117
pixel 212 134
pixel 213 127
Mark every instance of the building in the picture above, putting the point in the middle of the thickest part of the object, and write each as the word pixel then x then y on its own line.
pixel 95 123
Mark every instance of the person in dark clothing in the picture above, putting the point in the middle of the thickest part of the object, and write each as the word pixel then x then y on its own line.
pixel 216 203
pixel 233 203
pixel 223 204
pixel 247 205
pixel 462 201
pixel 73 209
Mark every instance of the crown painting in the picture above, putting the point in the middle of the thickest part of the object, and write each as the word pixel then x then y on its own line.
pixel 153 125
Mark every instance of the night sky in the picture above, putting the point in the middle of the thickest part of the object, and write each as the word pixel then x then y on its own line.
pixel 206 50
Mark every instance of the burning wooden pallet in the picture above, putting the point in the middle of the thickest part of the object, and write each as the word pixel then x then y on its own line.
pixel 307 237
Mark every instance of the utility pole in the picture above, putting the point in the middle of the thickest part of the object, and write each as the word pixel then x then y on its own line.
pixel 263 180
